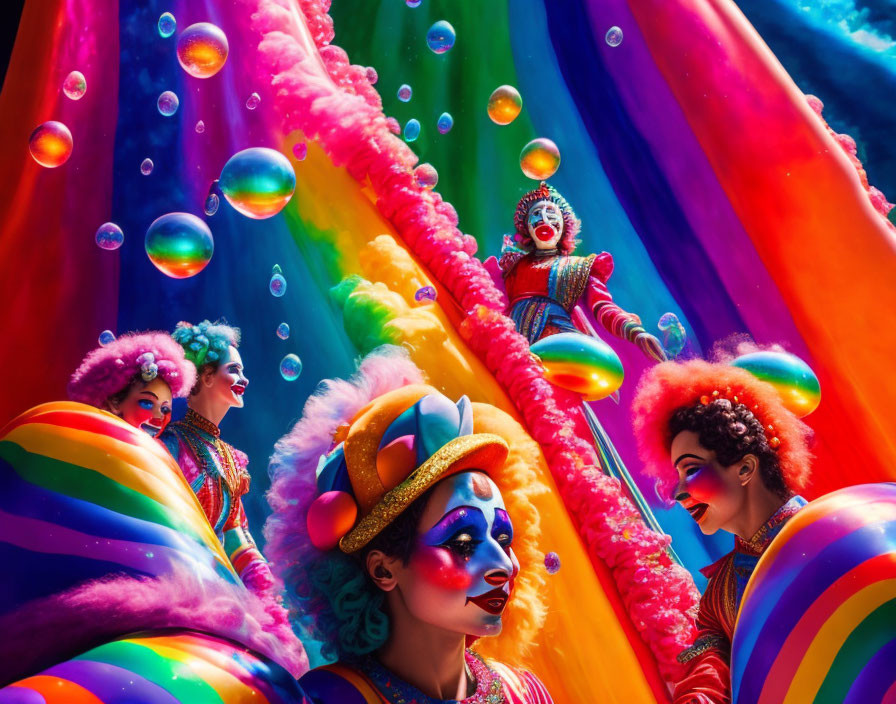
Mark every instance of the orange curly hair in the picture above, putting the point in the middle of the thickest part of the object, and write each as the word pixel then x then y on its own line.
pixel 672 386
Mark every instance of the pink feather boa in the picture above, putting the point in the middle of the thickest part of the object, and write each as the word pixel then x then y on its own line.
pixel 61 626
pixel 346 119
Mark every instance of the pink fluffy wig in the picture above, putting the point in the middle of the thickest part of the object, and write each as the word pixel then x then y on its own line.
pixel 110 369
pixel 670 386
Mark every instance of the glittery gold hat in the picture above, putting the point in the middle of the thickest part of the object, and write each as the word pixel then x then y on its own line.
pixel 395 448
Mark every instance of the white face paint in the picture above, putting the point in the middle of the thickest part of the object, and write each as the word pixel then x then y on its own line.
pixel 545 224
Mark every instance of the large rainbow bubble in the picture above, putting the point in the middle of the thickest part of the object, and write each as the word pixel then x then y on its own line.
pixel 818 618
pixel 258 182
pixel 51 144
pixel 580 363
pixel 202 49
pixel 179 244
pixel 540 159
pixel 792 377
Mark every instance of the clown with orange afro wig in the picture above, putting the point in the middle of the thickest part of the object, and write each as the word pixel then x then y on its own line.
pixel 721 443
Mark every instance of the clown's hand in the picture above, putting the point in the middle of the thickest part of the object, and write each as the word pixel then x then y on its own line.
pixel 651 346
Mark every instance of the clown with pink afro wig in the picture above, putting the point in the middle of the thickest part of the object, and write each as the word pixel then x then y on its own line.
pixel 135 377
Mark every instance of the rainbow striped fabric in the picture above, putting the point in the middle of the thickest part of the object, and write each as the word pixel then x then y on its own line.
pixel 188 668
pixel 84 495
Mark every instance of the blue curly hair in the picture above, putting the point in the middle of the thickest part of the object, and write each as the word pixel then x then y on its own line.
pixel 341 605
pixel 205 344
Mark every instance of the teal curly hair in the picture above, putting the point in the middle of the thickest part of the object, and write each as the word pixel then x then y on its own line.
pixel 205 344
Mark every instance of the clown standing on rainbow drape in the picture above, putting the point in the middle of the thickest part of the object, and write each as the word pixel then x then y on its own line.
pixel 545 282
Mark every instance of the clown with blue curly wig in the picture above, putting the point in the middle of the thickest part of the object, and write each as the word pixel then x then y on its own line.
pixel 217 471
pixel 545 282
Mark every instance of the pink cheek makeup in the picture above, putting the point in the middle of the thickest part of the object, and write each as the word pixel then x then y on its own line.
pixel 705 485
pixel 437 565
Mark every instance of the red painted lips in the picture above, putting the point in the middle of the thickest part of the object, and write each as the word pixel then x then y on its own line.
pixel 697 511
pixel 492 602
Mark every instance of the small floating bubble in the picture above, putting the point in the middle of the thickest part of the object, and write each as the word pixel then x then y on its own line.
pixel 106 337
pixel 290 367
pixel 426 293
pixel 405 92
pixel 146 167
pixel 252 101
pixel 411 130
pixel 614 36
pixel 109 236
pixel 445 123
pixel 200 127
pixel 75 85
pixel 168 103
pixel 283 331
pixel 167 25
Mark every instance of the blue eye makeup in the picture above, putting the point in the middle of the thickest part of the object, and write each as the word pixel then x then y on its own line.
pixel 146 404
pixel 502 530
pixel 463 519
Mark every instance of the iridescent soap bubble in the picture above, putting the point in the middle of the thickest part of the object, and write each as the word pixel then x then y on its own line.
pixel 202 49
pixel 290 367
pixel 167 25
pixel 674 334
pixel 300 151
pixel 200 127
pixel 445 123
pixel 146 167
pixel 109 236
pixel 107 337
pixel 552 563
pixel 540 159
pixel 283 331
pixel 252 101
pixel 614 36
pixel 168 103
pixel 372 75
pixel 504 104
pixel 413 3
pixel 75 85
pixel 180 245
pixel 50 144
pixel 277 284
pixel 426 176
pixel 440 37
pixel 411 130
pixel 405 92
pixel 211 204
pixel 258 182
pixel 425 293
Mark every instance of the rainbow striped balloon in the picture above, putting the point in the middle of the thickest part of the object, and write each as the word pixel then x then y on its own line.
pixel 580 363
pixel 84 495
pixel 191 668
pixel 818 618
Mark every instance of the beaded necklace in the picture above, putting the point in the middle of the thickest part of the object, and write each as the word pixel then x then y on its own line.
pixel 201 436
pixel 489 686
